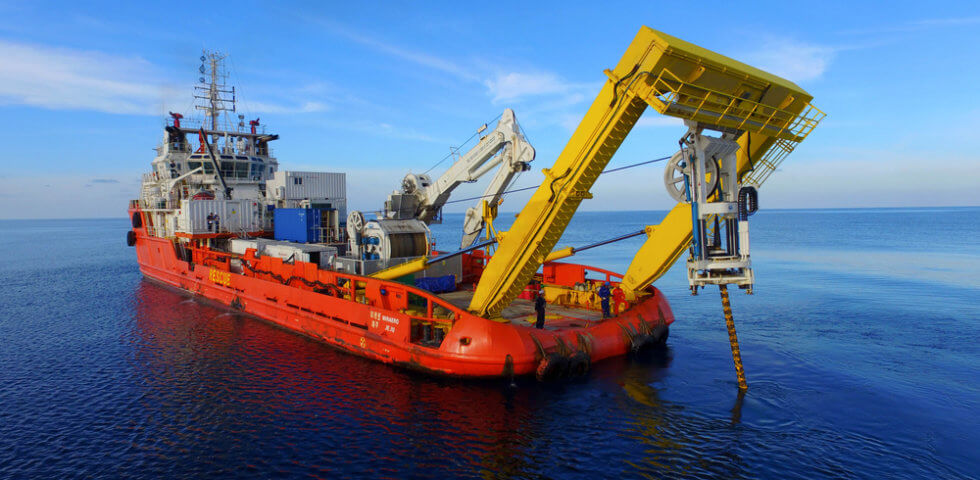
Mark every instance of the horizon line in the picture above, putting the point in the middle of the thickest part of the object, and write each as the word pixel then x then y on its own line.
pixel 584 211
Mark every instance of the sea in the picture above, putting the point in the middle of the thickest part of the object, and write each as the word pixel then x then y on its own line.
pixel 861 346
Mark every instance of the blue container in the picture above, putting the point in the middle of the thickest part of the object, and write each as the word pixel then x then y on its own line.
pixel 442 284
pixel 296 225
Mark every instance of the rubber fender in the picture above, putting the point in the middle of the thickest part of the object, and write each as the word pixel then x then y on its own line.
pixel 130 238
pixel 553 367
pixel 137 220
pixel 579 364
pixel 640 342
pixel 660 334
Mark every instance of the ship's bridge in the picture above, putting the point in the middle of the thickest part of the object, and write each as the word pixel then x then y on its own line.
pixel 239 162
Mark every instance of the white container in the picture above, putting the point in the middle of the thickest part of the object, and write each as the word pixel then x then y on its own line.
pixel 235 216
pixel 314 186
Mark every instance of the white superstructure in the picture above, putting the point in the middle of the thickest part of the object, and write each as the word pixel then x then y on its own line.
pixel 217 177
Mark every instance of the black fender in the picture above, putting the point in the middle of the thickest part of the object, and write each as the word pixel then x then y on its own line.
pixel 660 334
pixel 579 364
pixel 552 367
pixel 640 342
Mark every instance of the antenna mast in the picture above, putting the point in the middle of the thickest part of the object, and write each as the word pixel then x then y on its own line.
pixel 215 96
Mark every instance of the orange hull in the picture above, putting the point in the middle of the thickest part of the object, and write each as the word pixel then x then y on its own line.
pixel 382 320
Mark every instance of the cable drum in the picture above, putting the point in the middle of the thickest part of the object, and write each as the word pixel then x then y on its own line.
pixel 406 245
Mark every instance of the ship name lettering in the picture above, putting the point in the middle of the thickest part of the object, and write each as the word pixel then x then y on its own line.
pixel 219 277
pixel 385 318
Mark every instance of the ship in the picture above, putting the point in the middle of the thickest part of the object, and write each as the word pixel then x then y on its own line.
pixel 216 218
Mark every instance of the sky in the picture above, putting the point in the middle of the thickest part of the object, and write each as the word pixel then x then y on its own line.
pixel 383 89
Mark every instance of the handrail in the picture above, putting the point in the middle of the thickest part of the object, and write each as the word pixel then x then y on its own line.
pixel 669 98
pixel 201 255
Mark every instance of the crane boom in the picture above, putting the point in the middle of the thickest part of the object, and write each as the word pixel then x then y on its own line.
pixel 504 146
pixel 678 79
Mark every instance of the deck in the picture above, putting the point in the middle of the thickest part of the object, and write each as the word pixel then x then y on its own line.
pixel 521 312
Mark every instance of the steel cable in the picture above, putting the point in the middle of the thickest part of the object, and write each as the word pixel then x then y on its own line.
pixel 536 186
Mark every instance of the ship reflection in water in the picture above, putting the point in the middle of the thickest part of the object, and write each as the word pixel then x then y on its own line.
pixel 227 389
pixel 223 392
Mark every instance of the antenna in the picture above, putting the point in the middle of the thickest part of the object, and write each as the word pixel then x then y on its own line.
pixel 213 95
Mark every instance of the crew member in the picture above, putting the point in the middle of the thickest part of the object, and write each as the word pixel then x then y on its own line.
pixel 217 223
pixel 210 221
pixel 604 296
pixel 619 298
pixel 539 308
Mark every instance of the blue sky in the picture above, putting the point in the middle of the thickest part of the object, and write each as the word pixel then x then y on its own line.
pixel 380 90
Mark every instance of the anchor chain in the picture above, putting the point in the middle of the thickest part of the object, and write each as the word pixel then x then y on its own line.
pixel 732 337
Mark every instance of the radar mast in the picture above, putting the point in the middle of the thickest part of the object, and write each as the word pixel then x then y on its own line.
pixel 212 94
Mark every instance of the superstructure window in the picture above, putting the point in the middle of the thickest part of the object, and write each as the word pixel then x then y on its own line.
pixel 241 169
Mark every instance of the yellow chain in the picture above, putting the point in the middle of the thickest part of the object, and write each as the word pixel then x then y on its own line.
pixel 732 338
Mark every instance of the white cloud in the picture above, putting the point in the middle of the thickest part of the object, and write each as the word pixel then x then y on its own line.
pixel 792 60
pixel 915 26
pixel 70 79
pixel 414 56
pixel 304 107
pixel 542 98
pixel 516 85
pixel 61 78
pixel 380 129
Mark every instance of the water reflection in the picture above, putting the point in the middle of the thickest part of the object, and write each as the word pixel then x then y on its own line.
pixel 214 379
pixel 219 393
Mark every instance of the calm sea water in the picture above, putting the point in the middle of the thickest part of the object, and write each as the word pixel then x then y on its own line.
pixel 860 346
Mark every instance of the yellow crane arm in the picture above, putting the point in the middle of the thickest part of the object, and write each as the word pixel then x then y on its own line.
pixel 676 78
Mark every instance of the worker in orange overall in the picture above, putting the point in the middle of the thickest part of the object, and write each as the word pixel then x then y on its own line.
pixel 618 297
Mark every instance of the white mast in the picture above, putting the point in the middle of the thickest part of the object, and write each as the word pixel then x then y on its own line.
pixel 216 96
